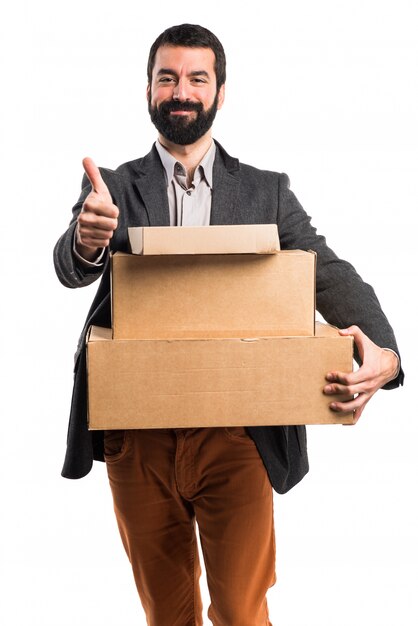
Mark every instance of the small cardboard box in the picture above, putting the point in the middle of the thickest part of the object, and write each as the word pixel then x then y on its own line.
pixel 179 383
pixel 229 239
pixel 225 295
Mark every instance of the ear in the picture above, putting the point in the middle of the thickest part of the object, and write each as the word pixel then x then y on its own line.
pixel 221 96
pixel 148 92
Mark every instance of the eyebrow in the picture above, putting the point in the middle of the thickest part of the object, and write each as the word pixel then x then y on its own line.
pixel 164 70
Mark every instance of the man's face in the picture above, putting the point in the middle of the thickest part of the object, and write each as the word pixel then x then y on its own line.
pixel 182 97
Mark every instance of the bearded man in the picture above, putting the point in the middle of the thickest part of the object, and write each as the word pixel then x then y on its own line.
pixel 164 480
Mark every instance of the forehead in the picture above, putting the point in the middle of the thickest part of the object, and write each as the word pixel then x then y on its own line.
pixel 184 60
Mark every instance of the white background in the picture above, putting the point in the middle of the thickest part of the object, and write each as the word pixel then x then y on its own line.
pixel 325 91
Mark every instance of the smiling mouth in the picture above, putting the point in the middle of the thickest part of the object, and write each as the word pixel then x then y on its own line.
pixel 180 112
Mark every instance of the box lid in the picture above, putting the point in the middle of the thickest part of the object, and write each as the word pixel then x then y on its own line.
pixel 228 239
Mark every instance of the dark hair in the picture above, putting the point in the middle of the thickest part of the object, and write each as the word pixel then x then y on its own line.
pixel 190 36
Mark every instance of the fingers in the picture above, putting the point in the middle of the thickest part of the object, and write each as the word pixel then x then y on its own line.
pixel 345 390
pixel 379 366
pixel 356 416
pixel 351 398
pixel 94 238
pixel 351 330
pixel 354 389
pixel 94 231
pixel 357 413
pixel 89 219
pixel 98 218
pixel 361 340
pixel 99 201
pixel 100 206
pixel 94 176
pixel 348 378
pixel 356 404
pixel 353 392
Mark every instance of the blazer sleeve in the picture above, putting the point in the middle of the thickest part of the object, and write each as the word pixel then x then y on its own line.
pixel 342 297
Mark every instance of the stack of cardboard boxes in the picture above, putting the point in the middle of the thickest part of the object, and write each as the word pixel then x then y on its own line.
pixel 212 326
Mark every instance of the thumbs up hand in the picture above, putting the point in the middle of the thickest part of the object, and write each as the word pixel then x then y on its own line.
pixel 98 218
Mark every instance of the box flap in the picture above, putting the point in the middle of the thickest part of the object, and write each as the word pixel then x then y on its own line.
pixel 325 330
pixel 98 333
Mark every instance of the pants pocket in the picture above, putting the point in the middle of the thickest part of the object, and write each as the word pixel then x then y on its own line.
pixel 238 433
pixel 115 444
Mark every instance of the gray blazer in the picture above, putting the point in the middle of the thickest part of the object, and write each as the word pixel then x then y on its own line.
pixel 241 195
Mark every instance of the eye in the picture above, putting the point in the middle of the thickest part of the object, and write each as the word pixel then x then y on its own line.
pixel 166 79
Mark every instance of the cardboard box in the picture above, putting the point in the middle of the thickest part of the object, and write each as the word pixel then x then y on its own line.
pixel 178 383
pixel 230 239
pixel 224 295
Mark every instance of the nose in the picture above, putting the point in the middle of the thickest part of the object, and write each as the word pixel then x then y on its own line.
pixel 181 91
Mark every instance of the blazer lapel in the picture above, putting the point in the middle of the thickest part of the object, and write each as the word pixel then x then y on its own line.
pixel 225 188
pixel 152 186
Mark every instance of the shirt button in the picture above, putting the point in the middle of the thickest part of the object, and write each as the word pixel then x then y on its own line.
pixel 189 193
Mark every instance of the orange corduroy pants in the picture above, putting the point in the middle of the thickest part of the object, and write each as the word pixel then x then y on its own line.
pixel 163 481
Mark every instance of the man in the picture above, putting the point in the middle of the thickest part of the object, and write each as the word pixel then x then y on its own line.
pixel 164 480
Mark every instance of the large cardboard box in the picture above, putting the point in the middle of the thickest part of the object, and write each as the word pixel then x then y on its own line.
pixel 224 295
pixel 178 383
pixel 225 239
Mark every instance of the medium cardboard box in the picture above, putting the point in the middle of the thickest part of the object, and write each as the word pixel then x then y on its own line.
pixel 225 295
pixel 179 383
pixel 229 239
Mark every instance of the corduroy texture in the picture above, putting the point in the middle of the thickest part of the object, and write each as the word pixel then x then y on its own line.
pixel 163 481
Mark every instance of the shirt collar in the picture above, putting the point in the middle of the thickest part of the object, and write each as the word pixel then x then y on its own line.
pixel 169 162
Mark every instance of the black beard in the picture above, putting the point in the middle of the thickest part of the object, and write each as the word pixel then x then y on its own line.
pixel 179 129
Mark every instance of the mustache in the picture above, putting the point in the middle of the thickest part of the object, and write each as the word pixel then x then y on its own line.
pixel 175 105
